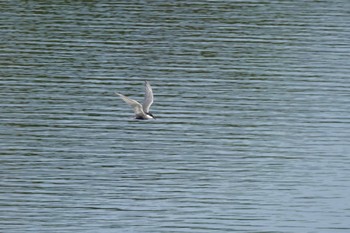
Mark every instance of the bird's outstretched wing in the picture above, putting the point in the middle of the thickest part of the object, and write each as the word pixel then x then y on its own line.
pixel 133 103
pixel 147 102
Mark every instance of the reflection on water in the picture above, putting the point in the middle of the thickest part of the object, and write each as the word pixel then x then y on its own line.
pixel 252 128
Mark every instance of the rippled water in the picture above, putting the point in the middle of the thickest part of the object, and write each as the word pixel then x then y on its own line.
pixel 252 104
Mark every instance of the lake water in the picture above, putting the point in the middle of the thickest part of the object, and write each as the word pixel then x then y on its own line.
pixel 253 120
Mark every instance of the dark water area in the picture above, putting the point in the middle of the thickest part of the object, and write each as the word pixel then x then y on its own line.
pixel 252 104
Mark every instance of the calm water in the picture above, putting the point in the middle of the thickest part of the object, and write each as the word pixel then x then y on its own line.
pixel 252 104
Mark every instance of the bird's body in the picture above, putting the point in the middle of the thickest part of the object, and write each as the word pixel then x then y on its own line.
pixel 141 110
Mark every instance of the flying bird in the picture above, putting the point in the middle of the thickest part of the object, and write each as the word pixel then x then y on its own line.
pixel 141 110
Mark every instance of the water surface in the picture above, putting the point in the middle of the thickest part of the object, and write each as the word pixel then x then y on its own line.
pixel 252 104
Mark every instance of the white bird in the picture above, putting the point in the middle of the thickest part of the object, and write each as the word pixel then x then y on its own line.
pixel 141 111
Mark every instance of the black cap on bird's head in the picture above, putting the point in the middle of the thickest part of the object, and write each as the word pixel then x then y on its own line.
pixel 150 114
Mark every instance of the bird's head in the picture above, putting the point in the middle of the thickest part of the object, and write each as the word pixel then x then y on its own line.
pixel 150 114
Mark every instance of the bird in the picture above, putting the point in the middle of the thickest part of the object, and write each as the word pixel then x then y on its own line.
pixel 141 110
